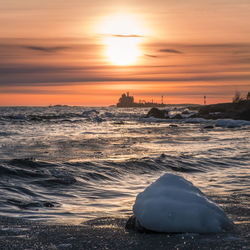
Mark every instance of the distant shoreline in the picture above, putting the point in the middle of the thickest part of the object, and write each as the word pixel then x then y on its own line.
pixel 236 111
pixel 111 105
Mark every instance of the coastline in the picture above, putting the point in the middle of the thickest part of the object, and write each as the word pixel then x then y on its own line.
pixel 235 111
pixel 110 233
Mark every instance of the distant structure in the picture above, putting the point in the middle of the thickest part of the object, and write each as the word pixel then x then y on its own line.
pixel 205 100
pixel 127 101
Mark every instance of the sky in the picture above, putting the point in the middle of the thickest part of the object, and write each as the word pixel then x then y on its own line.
pixel 90 52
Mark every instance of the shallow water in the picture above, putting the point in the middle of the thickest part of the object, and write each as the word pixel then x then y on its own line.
pixel 70 164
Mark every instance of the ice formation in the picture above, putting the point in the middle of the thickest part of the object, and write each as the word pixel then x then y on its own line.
pixel 173 204
pixel 230 123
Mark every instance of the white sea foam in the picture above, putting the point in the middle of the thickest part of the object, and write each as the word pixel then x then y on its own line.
pixel 153 119
pixel 173 204
pixel 92 115
pixel 108 114
pixel 89 113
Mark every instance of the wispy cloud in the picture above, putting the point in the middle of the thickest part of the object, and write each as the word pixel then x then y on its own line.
pixel 46 49
pixel 60 80
pixel 84 66
pixel 173 51
pixel 148 55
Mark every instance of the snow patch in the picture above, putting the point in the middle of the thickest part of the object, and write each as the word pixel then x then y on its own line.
pixel 230 123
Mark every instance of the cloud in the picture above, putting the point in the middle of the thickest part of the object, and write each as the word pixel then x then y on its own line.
pixel 173 51
pixel 148 55
pixel 59 80
pixel 46 49
pixel 46 72
pixel 219 45
pixel 41 69
pixel 243 52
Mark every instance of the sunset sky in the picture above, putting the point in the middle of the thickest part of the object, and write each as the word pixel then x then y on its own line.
pixel 88 52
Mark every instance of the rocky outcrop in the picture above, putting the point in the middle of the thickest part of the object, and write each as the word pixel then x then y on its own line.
pixel 236 111
pixel 157 113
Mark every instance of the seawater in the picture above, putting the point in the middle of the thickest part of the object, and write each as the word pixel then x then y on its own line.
pixel 70 164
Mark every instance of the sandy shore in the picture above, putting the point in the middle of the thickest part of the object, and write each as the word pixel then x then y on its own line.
pixel 110 233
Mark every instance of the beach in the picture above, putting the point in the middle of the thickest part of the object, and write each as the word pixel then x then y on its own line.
pixel 110 233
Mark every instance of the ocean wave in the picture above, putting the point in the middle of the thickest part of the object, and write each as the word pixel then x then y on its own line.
pixel 25 179
pixel 29 185
pixel 67 173
pixel 40 118
pixel 31 204
pixel 33 170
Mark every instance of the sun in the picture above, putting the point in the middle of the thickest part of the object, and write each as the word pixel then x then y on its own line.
pixel 122 50
pixel 122 37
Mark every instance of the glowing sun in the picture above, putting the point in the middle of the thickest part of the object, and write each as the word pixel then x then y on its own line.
pixel 123 36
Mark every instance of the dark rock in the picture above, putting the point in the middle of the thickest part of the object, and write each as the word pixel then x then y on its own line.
pixel 185 112
pixel 119 123
pixel 178 116
pixel 209 126
pixel 48 204
pixel 236 111
pixel 204 111
pixel 193 116
pixel 131 223
pixel 134 224
pixel 173 126
pixel 245 115
pixel 157 113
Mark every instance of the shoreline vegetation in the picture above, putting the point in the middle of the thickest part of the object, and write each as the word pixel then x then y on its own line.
pixel 235 110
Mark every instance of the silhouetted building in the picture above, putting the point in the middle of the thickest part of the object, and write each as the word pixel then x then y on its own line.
pixel 127 101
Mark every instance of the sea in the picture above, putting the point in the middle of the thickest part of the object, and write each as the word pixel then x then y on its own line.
pixel 65 164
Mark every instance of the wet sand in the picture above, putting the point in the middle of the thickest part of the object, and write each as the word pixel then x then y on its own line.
pixel 110 233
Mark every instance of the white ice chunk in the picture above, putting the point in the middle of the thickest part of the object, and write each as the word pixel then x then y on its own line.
pixel 196 120
pixel 173 204
pixel 230 123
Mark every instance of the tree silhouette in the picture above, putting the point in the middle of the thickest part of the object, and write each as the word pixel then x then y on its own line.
pixel 248 96
pixel 237 97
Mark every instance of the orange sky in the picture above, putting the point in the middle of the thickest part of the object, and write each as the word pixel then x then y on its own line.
pixel 90 52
